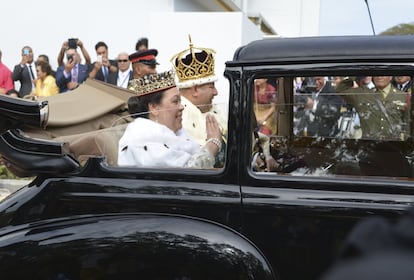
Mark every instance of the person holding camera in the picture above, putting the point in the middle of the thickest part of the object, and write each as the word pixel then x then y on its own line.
pixel 103 66
pixel 72 73
pixel 73 44
pixel 321 109
pixel 25 72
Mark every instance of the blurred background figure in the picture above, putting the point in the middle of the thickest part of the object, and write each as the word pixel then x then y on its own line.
pixel 144 62
pixel 43 57
pixel 45 83
pixel 74 44
pixel 124 74
pixel 101 68
pixel 142 44
pixel 403 83
pixel 6 82
pixel 326 106
pixel 25 72
pixel 265 97
pixel 319 108
pixel 72 73
pixel 364 82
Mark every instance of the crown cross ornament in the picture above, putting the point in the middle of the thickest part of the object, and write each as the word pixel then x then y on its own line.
pixel 194 66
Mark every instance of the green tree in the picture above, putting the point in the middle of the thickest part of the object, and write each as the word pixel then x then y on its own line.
pixel 400 29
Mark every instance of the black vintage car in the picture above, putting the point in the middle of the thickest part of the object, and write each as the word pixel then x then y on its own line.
pixel 83 217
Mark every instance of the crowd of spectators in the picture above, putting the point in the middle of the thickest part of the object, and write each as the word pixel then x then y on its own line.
pixel 379 104
pixel 32 78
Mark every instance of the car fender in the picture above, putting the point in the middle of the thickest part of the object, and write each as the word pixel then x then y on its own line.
pixel 151 246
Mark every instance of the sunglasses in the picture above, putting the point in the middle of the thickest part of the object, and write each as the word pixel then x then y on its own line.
pixel 122 60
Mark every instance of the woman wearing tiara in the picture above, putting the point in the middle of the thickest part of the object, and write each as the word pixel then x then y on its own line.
pixel 156 137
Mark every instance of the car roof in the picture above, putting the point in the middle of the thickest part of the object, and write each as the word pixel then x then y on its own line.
pixel 325 49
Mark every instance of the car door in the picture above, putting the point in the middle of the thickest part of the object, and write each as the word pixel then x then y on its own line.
pixel 300 212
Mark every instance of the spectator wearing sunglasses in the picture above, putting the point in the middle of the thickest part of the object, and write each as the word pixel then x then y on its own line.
pixel 65 47
pixel 124 74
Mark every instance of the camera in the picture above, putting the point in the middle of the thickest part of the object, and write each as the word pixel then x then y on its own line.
pixel 26 52
pixel 72 43
pixel 308 86
pixel 70 57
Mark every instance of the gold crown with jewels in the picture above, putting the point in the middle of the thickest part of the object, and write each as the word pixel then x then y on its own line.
pixel 194 66
pixel 152 83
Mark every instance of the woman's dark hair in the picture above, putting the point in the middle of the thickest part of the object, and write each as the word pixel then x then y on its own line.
pixel 44 56
pixel 141 42
pixel 138 106
pixel 45 67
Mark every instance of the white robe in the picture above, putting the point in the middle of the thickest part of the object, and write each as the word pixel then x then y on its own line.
pixel 194 121
pixel 146 143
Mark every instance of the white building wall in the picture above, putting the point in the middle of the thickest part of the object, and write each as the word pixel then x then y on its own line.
pixel 293 18
pixel 45 24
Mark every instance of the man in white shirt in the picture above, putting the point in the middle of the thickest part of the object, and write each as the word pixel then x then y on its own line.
pixel 121 77
pixel 403 83
pixel 25 72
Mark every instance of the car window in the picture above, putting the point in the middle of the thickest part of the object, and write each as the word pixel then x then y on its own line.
pixel 332 126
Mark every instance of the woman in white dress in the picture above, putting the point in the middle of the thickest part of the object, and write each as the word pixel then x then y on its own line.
pixel 156 137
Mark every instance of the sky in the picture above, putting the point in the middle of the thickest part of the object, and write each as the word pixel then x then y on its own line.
pixel 351 17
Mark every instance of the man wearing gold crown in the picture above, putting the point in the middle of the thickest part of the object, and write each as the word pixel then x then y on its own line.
pixel 194 69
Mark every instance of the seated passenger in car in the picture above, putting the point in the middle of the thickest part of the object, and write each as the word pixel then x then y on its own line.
pixel 196 82
pixel 156 137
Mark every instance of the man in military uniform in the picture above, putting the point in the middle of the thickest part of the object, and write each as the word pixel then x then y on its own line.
pixel 383 111
pixel 144 62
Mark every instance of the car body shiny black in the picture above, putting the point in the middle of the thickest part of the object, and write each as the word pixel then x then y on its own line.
pixel 233 222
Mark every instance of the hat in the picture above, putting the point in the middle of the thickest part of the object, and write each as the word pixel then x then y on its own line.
pixel 152 83
pixel 194 66
pixel 145 56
